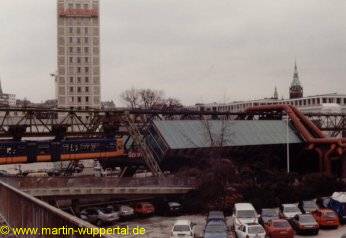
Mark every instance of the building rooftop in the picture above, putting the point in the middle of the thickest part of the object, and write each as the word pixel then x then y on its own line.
pixel 189 134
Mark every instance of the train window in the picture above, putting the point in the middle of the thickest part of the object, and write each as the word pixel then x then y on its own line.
pixel 344 100
pixel 331 100
pixel 338 100
pixel 324 100
pixel 313 101
pixel 318 101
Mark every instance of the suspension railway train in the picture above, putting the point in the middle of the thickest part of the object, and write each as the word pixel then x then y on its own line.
pixel 15 152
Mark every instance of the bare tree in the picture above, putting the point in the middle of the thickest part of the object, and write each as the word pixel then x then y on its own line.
pixel 131 97
pixel 150 98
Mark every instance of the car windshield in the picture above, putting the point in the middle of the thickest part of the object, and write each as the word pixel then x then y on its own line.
pixel 256 229
pixel 213 229
pixel 270 213
pixel 281 224
pixel 181 228
pixel 307 219
pixel 330 214
pixel 291 209
pixel 216 226
pixel 246 214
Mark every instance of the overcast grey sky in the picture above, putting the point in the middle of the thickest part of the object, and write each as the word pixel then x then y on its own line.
pixel 195 50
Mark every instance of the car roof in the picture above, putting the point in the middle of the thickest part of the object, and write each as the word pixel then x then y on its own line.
pixel 182 222
pixel 269 209
pixel 244 206
pixel 305 215
pixel 215 222
pixel 289 205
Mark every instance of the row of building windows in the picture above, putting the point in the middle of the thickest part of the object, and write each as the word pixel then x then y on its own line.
pixel 78 50
pixel 78 80
pixel 73 31
pixel 78 60
pixel 78 6
pixel 298 103
pixel 79 100
pixel 78 21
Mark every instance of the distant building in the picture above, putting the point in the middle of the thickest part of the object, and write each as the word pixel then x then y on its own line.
pixel 78 77
pixel 331 102
pixel 48 104
pixel 7 99
pixel 108 105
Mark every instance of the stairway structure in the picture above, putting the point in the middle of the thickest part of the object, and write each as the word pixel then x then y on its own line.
pixel 139 140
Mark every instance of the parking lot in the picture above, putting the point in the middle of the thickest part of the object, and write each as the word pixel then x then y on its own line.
pixel 160 227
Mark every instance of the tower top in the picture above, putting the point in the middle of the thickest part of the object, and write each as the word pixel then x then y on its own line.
pixel 295 81
pixel 296 89
pixel 1 92
pixel 276 94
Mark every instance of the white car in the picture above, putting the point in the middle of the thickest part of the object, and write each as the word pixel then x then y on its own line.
pixel 250 230
pixel 183 229
pixel 126 211
pixel 288 211
pixel 244 213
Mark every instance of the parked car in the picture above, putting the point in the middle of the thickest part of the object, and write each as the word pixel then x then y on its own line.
pixel 216 216
pixel 144 209
pixel 250 230
pixel 268 214
pixel 168 208
pixel 216 229
pixel 99 216
pixel 305 223
pixel 279 228
pixel 338 204
pixel 244 213
pixel 183 229
pixel 326 218
pixel 126 212
pixel 308 206
pixel 288 211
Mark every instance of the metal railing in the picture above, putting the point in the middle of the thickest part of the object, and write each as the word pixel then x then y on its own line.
pixel 102 182
pixel 20 210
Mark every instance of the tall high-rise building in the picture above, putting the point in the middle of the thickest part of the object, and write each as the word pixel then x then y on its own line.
pixel 78 76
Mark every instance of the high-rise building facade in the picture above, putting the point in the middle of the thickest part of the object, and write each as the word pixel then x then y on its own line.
pixel 78 75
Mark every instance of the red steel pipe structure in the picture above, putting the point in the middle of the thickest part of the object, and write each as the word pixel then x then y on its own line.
pixel 324 146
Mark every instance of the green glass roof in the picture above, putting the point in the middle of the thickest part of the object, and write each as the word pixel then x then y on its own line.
pixel 187 134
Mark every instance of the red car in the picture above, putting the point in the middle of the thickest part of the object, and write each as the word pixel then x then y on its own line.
pixel 144 209
pixel 326 218
pixel 279 228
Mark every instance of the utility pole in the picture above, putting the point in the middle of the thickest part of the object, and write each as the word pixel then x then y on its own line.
pixel 287 146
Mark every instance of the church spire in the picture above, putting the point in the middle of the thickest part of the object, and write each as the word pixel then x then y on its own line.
pixel 1 92
pixel 296 89
pixel 276 94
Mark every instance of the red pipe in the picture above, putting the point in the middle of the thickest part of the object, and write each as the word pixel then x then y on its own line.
pixel 309 131
pixel 327 162
pixel 308 122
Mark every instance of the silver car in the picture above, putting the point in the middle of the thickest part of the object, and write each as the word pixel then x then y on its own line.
pixel 99 216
